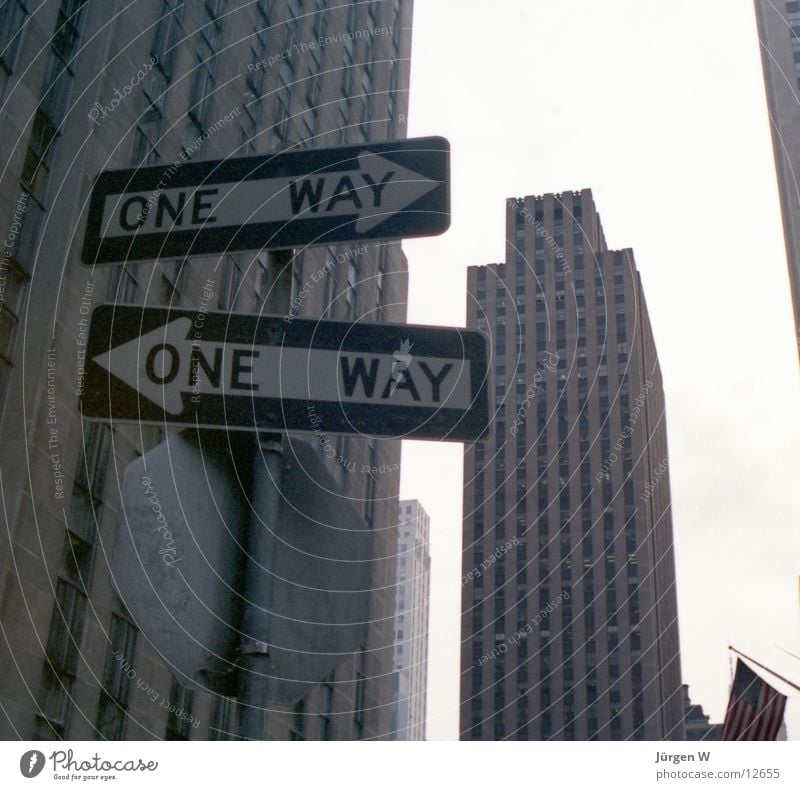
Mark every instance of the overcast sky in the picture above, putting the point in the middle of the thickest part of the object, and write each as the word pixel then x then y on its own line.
pixel 658 108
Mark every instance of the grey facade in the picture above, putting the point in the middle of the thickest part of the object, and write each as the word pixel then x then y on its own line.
pixel 569 612
pixel 779 39
pixel 697 724
pixel 410 679
pixel 85 87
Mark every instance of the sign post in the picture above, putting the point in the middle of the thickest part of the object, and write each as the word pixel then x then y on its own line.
pixel 259 572
pixel 273 373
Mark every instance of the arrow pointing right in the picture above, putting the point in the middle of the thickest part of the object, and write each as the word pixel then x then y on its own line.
pixel 373 193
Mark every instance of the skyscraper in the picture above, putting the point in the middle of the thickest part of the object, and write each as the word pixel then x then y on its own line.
pixel 569 613
pixel 779 39
pixel 86 87
pixel 697 724
pixel 410 679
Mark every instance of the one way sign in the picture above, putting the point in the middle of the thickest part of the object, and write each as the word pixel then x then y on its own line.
pixel 355 193
pixel 253 372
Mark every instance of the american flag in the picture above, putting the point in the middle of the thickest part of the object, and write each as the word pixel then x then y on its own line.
pixel 755 709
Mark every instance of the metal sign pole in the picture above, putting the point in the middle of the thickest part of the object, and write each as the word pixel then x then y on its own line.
pixel 254 665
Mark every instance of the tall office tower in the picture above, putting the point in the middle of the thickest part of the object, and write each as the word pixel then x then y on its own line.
pixel 86 87
pixel 410 678
pixel 779 37
pixel 569 618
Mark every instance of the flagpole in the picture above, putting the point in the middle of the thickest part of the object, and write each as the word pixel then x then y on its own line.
pixel 766 669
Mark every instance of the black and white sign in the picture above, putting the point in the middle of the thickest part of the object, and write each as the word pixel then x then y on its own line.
pixel 273 373
pixel 355 193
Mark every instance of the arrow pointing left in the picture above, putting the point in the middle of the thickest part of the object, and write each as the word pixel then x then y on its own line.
pixel 155 364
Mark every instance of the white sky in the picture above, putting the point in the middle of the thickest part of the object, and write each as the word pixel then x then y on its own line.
pixel 659 108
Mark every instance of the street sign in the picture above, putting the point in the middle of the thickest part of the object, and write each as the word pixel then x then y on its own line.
pixel 275 373
pixel 180 546
pixel 372 191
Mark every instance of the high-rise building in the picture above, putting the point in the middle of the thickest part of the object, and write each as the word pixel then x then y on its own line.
pixel 697 724
pixel 410 678
pixel 86 87
pixel 569 612
pixel 779 38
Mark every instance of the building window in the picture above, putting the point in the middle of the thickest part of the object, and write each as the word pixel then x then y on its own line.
pixel 205 82
pixel 170 286
pixel 15 281
pixel 280 129
pixel 111 712
pixel 380 284
pixel 79 542
pixel 262 278
pixel 36 169
pixel 147 136
pixel 61 661
pixel 90 476
pixel 202 90
pixel 13 16
pixel 230 288
pixel 351 295
pixel 166 36
pixel 64 46
pixel 123 284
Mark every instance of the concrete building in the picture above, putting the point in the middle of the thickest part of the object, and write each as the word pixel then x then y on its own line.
pixel 86 87
pixel 410 679
pixel 569 612
pixel 696 722
pixel 779 38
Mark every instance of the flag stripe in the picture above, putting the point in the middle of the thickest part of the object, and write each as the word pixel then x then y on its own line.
pixel 755 709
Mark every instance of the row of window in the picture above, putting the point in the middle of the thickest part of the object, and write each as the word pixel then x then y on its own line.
pixel 541 265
